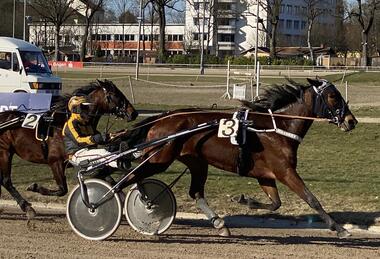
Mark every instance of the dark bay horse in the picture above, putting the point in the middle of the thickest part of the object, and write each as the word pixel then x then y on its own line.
pixel 272 156
pixel 105 96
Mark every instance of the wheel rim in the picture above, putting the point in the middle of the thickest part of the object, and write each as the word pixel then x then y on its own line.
pixel 97 224
pixel 154 219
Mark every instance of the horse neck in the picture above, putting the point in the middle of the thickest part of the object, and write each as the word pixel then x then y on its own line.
pixel 303 108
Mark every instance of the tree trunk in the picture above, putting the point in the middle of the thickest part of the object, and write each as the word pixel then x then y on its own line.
pixel 310 27
pixel 273 42
pixel 83 48
pixel 364 58
pixel 214 49
pixel 56 44
pixel 162 24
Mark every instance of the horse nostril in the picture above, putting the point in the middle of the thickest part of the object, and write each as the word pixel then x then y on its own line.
pixel 352 123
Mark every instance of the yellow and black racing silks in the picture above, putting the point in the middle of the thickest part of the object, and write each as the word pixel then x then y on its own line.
pixel 78 134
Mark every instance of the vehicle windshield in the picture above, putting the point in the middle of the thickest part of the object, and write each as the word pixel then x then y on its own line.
pixel 34 62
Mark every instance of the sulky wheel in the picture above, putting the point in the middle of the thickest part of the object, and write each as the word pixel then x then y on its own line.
pixel 94 224
pixel 154 213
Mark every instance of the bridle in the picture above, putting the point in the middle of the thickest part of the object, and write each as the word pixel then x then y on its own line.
pixel 321 107
pixel 119 111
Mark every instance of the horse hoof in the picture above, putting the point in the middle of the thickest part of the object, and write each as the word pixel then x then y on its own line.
pixel 238 199
pixel 218 223
pixel 32 187
pixel 30 213
pixel 224 232
pixel 344 234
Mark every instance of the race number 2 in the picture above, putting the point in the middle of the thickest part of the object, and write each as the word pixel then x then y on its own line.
pixel 228 128
pixel 30 121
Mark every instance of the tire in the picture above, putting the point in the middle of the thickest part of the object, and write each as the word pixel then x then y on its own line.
pixel 100 223
pixel 154 219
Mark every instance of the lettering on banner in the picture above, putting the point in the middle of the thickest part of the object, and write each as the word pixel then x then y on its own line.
pixel 7 108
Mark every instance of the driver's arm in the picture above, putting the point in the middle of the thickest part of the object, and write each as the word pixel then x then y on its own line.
pixel 83 137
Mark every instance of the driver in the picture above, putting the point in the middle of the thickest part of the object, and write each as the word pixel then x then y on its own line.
pixel 80 135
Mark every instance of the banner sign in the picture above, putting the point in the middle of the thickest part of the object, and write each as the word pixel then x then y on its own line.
pixel 25 102
pixel 69 64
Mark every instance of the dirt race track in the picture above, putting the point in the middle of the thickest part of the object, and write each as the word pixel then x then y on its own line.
pixel 49 236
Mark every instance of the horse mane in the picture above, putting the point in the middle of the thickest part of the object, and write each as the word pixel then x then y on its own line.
pixel 61 103
pixel 86 90
pixel 276 97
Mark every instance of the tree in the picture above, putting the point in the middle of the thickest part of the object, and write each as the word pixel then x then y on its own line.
pixel 91 7
pixel 56 12
pixel 206 22
pixel 314 8
pixel 364 13
pixel 121 8
pixel 127 17
pixel 160 7
pixel 272 8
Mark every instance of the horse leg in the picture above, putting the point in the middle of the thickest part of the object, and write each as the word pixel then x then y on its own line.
pixel 295 183
pixel 270 188
pixel 58 169
pixel 199 169
pixel 5 170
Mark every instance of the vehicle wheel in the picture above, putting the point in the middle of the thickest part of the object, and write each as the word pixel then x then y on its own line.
pixel 153 214
pixel 97 224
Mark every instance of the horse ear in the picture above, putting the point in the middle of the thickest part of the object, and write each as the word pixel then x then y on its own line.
pixel 100 82
pixel 314 82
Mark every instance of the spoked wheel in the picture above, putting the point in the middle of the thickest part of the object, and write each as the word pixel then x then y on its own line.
pixel 94 224
pixel 150 207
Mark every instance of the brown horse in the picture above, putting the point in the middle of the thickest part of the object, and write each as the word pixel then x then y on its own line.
pixel 105 96
pixel 269 156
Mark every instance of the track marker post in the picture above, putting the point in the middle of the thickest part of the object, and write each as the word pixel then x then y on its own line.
pixel 227 94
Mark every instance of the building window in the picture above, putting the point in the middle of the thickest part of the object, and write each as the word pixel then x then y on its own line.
pixel 144 37
pixel 303 25
pixel 175 37
pixel 281 24
pixel 226 37
pixel 197 36
pixel 297 10
pixel 304 10
pixel 282 8
pixel 129 37
pixel 296 25
pixel 288 24
pixel 289 9
pixel 196 6
pixel 225 6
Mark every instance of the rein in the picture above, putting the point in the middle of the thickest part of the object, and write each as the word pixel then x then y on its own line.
pixel 277 130
pixel 258 113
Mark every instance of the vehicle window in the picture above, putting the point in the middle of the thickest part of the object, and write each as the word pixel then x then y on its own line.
pixel 16 65
pixel 5 60
pixel 34 62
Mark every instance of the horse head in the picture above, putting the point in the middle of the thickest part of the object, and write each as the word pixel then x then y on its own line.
pixel 109 99
pixel 330 104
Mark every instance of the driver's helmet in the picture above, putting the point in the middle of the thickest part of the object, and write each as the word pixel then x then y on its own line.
pixel 78 104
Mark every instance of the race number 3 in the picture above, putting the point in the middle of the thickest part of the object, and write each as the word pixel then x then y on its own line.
pixel 228 128
pixel 30 121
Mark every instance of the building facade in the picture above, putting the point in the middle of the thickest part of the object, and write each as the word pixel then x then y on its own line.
pixel 229 29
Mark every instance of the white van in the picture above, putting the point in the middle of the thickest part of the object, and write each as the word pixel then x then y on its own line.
pixel 23 68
